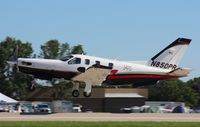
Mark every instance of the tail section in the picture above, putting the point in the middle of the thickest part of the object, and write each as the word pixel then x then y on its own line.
pixel 170 56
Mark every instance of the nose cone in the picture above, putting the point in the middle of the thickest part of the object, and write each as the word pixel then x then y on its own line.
pixel 39 63
pixel 39 68
pixel 45 68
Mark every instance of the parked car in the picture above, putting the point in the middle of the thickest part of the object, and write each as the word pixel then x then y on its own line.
pixel 196 110
pixel 126 110
pixel 77 108
pixel 42 108
pixel 4 108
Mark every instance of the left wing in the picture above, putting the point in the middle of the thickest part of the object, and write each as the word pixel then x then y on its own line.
pixel 94 75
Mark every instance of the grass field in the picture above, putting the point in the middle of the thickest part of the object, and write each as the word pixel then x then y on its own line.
pixel 96 124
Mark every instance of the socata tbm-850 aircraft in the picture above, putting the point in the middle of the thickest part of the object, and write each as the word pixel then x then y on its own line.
pixel 99 71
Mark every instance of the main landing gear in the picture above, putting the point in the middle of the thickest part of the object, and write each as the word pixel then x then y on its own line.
pixel 75 90
pixel 86 92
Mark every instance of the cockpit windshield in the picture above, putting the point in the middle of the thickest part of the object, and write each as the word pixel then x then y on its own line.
pixel 66 58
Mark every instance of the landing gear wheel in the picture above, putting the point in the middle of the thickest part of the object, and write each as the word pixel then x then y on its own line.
pixel 31 87
pixel 75 93
pixel 87 94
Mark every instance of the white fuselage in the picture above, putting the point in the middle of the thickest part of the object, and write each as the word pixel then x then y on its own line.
pixel 88 61
pixel 163 65
pixel 73 65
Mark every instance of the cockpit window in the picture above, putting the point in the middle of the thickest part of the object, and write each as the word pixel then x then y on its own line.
pixel 66 58
pixel 75 61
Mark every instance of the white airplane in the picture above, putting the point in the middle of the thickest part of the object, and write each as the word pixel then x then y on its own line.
pixel 99 71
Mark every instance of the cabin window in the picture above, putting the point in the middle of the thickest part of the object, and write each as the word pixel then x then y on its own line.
pixel 87 61
pixel 75 61
pixel 110 65
pixel 97 63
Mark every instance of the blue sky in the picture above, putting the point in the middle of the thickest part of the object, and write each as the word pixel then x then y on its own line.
pixel 118 29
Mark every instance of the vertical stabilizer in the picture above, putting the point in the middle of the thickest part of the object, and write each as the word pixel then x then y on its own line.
pixel 170 56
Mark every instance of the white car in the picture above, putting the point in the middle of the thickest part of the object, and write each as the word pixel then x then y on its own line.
pixel 77 108
pixel 42 108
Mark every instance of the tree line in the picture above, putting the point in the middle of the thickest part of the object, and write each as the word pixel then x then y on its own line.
pixel 176 90
pixel 14 84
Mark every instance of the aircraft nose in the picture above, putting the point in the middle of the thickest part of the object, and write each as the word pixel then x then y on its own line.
pixel 40 63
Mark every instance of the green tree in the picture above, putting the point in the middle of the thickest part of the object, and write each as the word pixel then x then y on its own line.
pixel 53 49
pixel 50 50
pixel 77 50
pixel 173 90
pixel 195 85
pixel 64 50
pixel 11 83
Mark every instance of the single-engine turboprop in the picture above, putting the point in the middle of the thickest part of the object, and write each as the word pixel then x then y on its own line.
pixel 100 71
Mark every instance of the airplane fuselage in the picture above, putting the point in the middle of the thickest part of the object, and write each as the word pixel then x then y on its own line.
pixel 97 71
pixel 73 65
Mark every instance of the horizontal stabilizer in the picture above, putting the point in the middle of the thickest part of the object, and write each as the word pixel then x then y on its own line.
pixel 94 75
pixel 180 72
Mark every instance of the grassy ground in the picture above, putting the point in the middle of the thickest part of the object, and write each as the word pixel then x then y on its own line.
pixel 97 124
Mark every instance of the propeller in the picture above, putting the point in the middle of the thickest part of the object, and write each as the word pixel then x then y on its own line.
pixel 13 60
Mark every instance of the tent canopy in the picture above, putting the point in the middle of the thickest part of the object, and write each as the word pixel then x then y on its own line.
pixel 6 99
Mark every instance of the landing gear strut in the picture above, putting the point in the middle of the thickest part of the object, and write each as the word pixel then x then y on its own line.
pixel 75 90
pixel 87 94
pixel 87 90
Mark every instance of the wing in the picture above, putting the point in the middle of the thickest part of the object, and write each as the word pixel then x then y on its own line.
pixel 94 75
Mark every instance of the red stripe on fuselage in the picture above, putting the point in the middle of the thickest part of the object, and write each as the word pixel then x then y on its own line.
pixel 138 76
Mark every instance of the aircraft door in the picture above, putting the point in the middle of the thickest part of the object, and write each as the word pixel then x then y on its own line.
pixel 76 65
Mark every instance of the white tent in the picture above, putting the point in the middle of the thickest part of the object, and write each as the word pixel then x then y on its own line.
pixel 6 99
